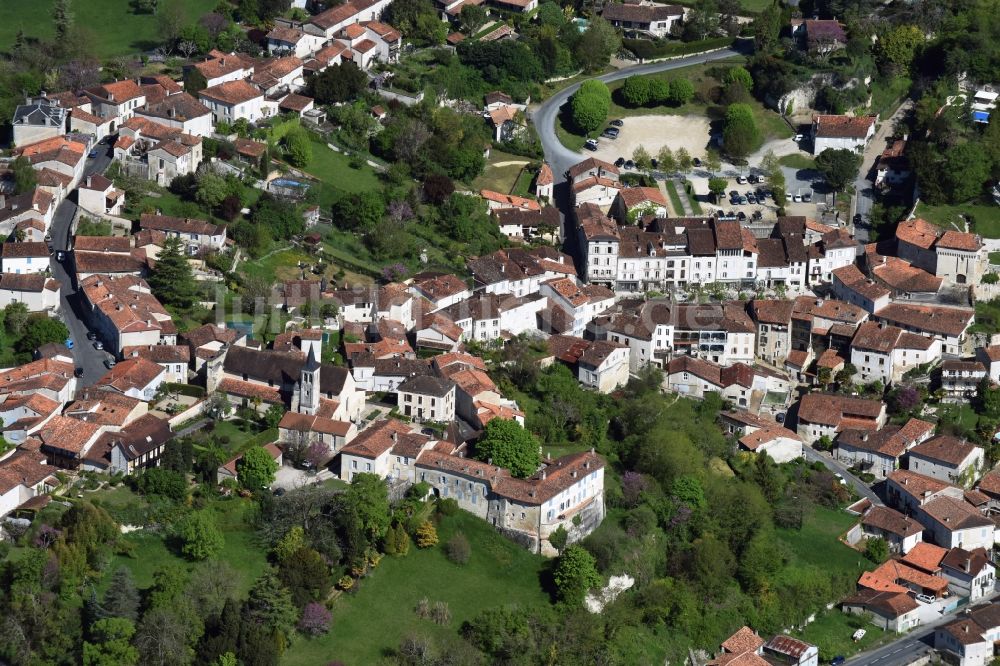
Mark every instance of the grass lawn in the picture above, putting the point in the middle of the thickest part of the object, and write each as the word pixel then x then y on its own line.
pixel 816 543
pixel 832 632
pixel 887 94
pixel 748 6
pixel 965 414
pixel 995 257
pixel 380 614
pixel 241 550
pixel 239 440
pixel 675 198
pixel 114 28
pixel 337 174
pixel 985 216
pixel 503 179
pixel 688 191
pixel 280 265
pixel 797 161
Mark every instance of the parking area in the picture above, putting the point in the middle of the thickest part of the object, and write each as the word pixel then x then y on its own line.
pixel 654 132
pixel 290 478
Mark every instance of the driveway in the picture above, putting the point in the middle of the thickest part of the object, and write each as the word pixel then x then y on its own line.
pixel 290 478
pixel 71 306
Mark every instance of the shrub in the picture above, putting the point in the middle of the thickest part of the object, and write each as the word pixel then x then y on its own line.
pixel 458 549
pixel 448 506
pixel 427 535
pixel 315 619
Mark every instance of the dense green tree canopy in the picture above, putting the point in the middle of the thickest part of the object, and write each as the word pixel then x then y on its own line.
pixel 508 445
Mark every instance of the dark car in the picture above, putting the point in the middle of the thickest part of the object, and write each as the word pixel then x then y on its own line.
pixel 751 198
pixel 617 123
pixel 733 194
pixel 838 660
pixel 780 418
pixel 752 179
pixel 93 153
pixel 91 335
pixel 620 162
pixel 741 216
pixel 654 162
pixel 278 492
pixel 591 144
pixel 696 162
pixel 610 133
pixel 629 164
pixel 859 218
pixel 78 372
pixel 109 363
pixel 743 201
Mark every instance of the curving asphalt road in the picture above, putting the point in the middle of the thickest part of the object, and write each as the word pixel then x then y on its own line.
pixel 561 158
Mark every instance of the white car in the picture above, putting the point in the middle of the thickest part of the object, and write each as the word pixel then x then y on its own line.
pixel 926 598
pixel 797 138
pixel 797 198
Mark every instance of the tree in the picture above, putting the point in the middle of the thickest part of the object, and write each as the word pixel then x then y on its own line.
pixel 896 49
pixel 665 160
pixel 877 549
pixel 559 538
pixel 270 607
pixel 256 469
pixel 315 620
pixel 636 90
pixel 165 482
pixel 273 415
pixel 740 135
pixel 597 44
pixel 172 280
pixel 838 166
pixel 194 81
pixel 41 331
pixel 306 575
pixel 575 574
pixel 121 599
pixel 171 20
pixel 200 537
pixel 25 177
pixel 427 535
pixel 739 75
pixel 293 540
pixel 767 28
pixel 473 18
pixel 15 318
pixel 458 548
pixel 369 499
pixel 110 645
pixel 438 188
pixel 590 104
pixel 298 147
pixel 712 161
pixel 769 164
pixel 507 444
pixel 684 160
pixel 62 20
pixel 717 186
pixel 681 92
pixel 642 160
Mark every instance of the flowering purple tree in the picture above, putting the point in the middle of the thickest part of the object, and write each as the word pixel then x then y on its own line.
pixel 316 453
pixel 315 619
pixel 47 535
pixel 394 272
pixel 633 484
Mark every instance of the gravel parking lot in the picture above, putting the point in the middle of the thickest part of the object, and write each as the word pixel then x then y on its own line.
pixel 654 132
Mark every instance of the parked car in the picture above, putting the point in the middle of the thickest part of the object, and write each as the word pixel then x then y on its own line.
pixel 278 492
pixel 780 417
pixel 807 197
pixel 743 200
pixel 733 194
pixel 837 661
pixel 93 153
pixel 60 255
pixel 753 179
pixel 654 162
pixel 741 216
pixel 797 198
pixel 610 133
pixel 858 218
pixel 741 180
pixel 78 372
pixel 98 345
pixel 696 162
pixel 926 598
pixel 69 343
pixel 797 138
pixel 840 479
pixel 620 162
pixel 91 335
pixel 617 123
pixel 109 363
pixel 629 164
pixel 590 144
pixel 751 198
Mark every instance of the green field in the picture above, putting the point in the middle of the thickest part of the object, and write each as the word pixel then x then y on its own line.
pixel 816 543
pixel 373 621
pixel 241 550
pixel 505 179
pixel 113 28
pixel 985 216
pixel 797 161
pixel 832 632
pixel 337 174
pixel 675 199
pixel 748 6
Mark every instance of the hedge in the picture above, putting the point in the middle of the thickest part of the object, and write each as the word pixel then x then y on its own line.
pixel 646 49
pixel 186 389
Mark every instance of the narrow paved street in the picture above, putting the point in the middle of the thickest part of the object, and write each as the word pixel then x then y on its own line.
pixel 864 184
pixel 71 307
